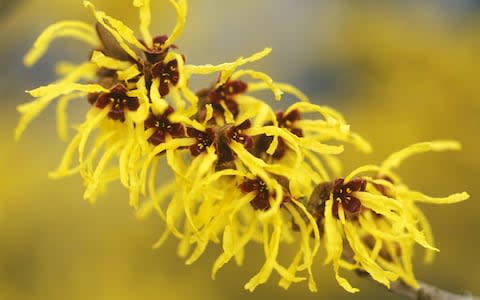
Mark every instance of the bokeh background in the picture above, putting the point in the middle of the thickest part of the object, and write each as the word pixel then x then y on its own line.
pixel 400 71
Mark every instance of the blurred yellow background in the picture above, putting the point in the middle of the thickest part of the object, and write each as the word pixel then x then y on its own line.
pixel 400 71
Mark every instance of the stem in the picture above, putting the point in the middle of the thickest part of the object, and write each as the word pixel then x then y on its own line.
pixel 424 292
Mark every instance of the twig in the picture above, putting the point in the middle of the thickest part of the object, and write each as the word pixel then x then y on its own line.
pixel 424 292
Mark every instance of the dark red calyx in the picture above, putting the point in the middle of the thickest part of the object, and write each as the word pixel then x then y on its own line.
pixel 235 133
pixel 227 90
pixel 157 52
pixel 203 139
pixel 168 75
pixel 262 194
pixel 163 127
pixel 288 121
pixel 117 100
pixel 342 195
pixel 226 93
pixel 225 135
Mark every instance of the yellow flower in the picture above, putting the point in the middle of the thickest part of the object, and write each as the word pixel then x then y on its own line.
pixel 132 76
pixel 376 218
pixel 237 170
pixel 231 187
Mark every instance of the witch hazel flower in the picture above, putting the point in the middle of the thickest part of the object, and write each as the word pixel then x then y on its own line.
pixel 376 218
pixel 235 171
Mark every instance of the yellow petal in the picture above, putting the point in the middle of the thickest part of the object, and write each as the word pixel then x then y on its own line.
pixel 145 19
pixel 67 158
pixel 48 93
pixel 262 76
pixel 361 170
pixel 141 114
pixel 103 61
pixel 271 245
pixel 58 89
pixel 427 230
pixel 390 208
pixel 317 147
pixel 228 68
pixel 235 248
pixel 74 29
pixel 62 127
pixel 395 159
pixel 284 282
pixel 98 179
pixel 128 73
pixel 362 256
pixel 420 197
pixel 331 116
pixel 255 165
pixel 181 8
pixel 94 117
pixel 334 245
pixel 163 238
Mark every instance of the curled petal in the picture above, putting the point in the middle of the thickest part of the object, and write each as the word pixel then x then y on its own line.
pixel 74 29
pixel 395 159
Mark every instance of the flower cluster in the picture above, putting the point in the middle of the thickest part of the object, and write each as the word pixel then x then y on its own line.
pixel 237 171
